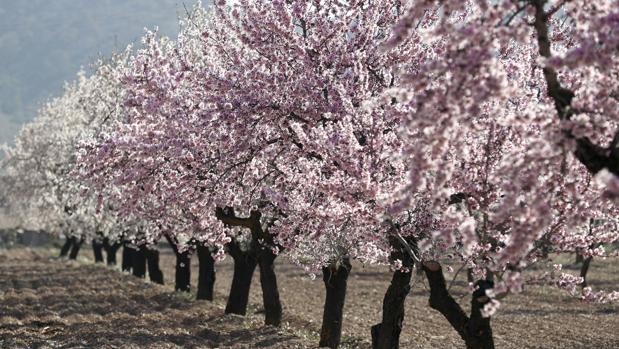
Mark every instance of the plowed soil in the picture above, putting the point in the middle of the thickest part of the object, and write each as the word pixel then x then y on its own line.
pixel 51 303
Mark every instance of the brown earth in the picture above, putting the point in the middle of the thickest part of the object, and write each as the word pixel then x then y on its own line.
pixel 63 304
pixel 50 303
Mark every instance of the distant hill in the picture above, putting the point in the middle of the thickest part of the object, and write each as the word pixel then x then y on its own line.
pixel 45 42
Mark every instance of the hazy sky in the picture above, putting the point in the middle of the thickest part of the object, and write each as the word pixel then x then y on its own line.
pixel 45 42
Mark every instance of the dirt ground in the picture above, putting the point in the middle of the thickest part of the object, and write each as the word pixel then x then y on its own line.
pixel 50 303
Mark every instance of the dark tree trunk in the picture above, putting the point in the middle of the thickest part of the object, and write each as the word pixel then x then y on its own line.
pixel 490 276
pixel 139 262
pixel 268 283
pixel 586 261
pixel 182 281
pixel 386 335
pixel 469 275
pixel 475 331
pixel 479 329
pixel 110 251
pixel 245 263
pixel 75 249
pixel 127 261
pixel 152 258
pixel 206 274
pixel 64 251
pixel 182 276
pixel 584 269
pixel 244 266
pixel 335 279
pixel 97 249
pixel 579 258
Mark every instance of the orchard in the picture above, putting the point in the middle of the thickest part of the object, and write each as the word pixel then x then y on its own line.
pixel 436 141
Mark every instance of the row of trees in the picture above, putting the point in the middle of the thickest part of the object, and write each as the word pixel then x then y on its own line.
pixel 411 133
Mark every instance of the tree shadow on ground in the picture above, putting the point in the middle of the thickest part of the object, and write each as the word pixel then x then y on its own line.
pixel 49 302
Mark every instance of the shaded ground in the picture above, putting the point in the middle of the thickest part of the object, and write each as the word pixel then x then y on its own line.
pixel 47 303
pixel 62 304
pixel 541 317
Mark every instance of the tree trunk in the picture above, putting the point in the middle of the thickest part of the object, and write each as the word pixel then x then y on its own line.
pixel 139 262
pixel 584 269
pixel 335 279
pixel 386 335
pixel 479 329
pixel 245 263
pixel 268 283
pixel 64 251
pixel 579 258
pixel 476 330
pixel 469 275
pixel 127 261
pixel 152 257
pixel 244 266
pixel 97 249
pixel 110 250
pixel 206 274
pixel 182 276
pixel 182 281
pixel 75 249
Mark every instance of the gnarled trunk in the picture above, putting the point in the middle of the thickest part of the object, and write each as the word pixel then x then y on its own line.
pixel 474 330
pixel 586 261
pixel 64 251
pixel 154 272
pixel 138 265
pixel 244 266
pixel 585 269
pixel 206 273
pixel 127 262
pixel 182 276
pixel 75 248
pixel 268 283
pixel 182 280
pixel 335 278
pixel 97 249
pixel 110 251
pixel 245 263
pixel 579 258
pixel 386 335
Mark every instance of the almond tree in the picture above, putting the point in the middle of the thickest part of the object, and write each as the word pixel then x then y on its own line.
pixel 310 128
pixel 486 67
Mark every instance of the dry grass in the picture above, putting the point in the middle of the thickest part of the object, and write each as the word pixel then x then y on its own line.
pixel 63 304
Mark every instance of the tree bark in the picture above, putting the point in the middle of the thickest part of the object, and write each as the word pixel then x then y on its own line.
pixel 110 250
pixel 182 276
pixel 75 249
pixel 335 279
pixel 479 329
pixel 386 335
pixel 245 263
pixel 138 265
pixel 64 251
pixel 97 249
pixel 469 275
pixel 579 258
pixel 268 283
pixel 244 266
pixel 593 156
pixel 584 269
pixel 154 272
pixel 127 261
pixel 475 331
pixel 182 281
pixel 206 273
